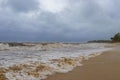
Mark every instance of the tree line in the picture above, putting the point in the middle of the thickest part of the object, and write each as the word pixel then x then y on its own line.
pixel 116 38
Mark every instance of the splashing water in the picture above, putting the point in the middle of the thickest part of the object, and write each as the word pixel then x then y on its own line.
pixel 38 61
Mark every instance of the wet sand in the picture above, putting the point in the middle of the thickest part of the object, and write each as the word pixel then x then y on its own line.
pixel 103 67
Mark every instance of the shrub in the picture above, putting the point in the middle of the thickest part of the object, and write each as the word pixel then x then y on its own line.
pixel 116 38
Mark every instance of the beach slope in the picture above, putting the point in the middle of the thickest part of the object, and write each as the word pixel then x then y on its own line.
pixel 103 67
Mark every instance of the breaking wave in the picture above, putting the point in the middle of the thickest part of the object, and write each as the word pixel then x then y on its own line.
pixel 36 61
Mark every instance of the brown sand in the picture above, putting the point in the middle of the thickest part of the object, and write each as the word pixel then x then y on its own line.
pixel 103 67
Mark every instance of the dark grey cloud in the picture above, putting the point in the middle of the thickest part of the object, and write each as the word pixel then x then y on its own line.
pixel 81 20
pixel 22 5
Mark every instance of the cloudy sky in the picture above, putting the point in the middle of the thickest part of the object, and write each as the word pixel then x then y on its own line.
pixel 58 20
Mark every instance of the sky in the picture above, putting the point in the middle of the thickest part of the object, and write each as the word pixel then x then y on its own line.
pixel 58 20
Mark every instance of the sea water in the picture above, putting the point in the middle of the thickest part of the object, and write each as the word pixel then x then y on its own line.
pixel 38 61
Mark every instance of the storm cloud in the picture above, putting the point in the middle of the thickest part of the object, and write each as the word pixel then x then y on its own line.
pixel 58 20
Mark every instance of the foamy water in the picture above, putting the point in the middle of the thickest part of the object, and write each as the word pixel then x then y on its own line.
pixel 38 61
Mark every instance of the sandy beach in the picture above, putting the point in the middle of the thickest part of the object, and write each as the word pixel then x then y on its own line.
pixel 42 61
pixel 103 67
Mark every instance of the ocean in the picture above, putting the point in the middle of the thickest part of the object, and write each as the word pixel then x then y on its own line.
pixel 36 61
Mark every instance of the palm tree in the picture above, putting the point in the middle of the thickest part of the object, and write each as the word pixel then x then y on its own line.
pixel 116 38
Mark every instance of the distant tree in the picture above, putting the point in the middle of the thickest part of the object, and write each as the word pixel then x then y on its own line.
pixel 116 38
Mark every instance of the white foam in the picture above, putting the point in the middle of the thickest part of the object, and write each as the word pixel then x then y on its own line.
pixel 57 58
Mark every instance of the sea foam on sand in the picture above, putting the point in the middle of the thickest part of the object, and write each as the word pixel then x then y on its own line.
pixel 38 61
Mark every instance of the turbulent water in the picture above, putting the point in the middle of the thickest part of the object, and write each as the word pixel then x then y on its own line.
pixel 37 61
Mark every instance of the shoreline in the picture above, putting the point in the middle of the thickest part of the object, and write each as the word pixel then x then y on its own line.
pixel 103 67
pixel 42 64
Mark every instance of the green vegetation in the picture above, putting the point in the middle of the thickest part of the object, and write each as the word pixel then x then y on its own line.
pixel 116 38
pixel 100 41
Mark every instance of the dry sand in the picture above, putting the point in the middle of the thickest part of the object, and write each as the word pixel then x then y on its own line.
pixel 103 67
